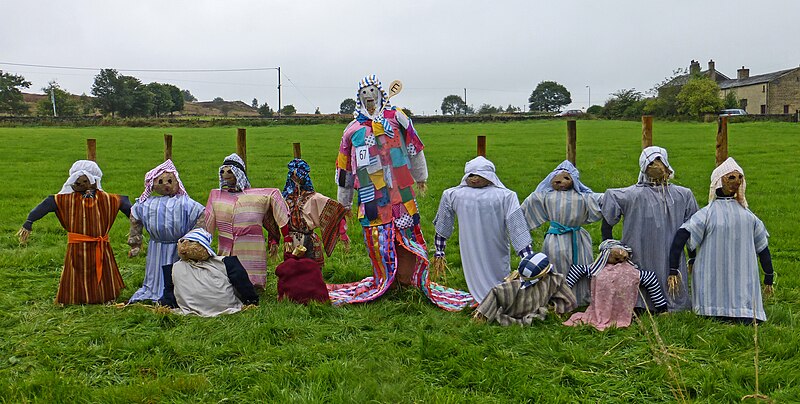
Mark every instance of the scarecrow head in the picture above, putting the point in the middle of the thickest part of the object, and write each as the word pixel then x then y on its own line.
pixel 654 166
pixel 657 171
pixel 84 175
pixel 562 181
pixel 533 268
pixel 195 246
pixel 730 180
pixel 480 173
pixel 618 255
pixel 476 181
pixel 82 184
pixel 232 174
pixel 371 99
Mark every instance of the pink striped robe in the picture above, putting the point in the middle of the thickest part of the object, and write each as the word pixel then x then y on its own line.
pixel 238 218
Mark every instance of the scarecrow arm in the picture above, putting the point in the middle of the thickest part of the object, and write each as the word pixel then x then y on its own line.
pixel 607 230
pixel 125 205
pixel 168 298
pixel 576 272
pixel 681 237
pixel 766 265
pixel 237 275
pixel 650 282
pixel 48 205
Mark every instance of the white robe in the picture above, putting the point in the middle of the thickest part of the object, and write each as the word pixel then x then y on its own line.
pixel 204 289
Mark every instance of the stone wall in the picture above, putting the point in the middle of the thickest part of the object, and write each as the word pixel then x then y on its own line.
pixel 784 91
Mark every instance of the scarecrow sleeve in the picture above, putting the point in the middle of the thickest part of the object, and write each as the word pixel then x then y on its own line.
pixel 516 228
pixel 125 205
pixel 691 206
pixel 242 286
pixel 414 146
pixel 344 169
pixel 46 206
pixel 760 240
pixel 678 243
pixel 276 218
pixel 613 206
pixel 444 222
pixel 532 209
pixel 168 297
pixel 210 218
pixel 649 281
pixel 593 212
pixel 576 273
pixel 329 215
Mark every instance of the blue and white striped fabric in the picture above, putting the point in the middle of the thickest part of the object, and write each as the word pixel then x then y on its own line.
pixel 166 219
pixel 201 236
pixel 725 280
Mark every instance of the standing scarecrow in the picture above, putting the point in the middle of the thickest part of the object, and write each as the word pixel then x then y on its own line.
pixel 728 237
pixel 238 213
pixel 381 157
pixel 166 216
pixel 567 204
pixel 87 213
pixel 488 219
pixel 653 210
pixel 309 210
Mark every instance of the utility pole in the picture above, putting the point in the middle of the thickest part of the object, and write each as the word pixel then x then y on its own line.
pixel 279 91
pixel 590 97
pixel 53 99
pixel 465 101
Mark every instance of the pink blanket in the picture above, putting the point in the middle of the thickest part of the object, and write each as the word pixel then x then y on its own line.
pixel 614 292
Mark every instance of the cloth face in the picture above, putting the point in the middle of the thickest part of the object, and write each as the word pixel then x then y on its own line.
pixel 236 165
pixel 300 170
pixel 201 236
pixel 606 248
pixel 566 165
pixel 152 176
pixel 82 167
pixel 725 168
pixel 649 155
pixel 481 166
pixel 381 102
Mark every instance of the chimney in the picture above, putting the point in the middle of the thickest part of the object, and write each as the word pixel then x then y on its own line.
pixel 712 72
pixel 694 67
pixel 742 73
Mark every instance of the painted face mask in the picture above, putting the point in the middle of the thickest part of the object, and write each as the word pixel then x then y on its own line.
pixel 370 98
pixel 227 175
pixel 562 181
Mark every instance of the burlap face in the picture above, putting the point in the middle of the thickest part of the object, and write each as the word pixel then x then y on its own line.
pixel 731 183
pixel 562 181
pixel 166 184
pixel 618 255
pixel 226 172
pixel 82 185
pixel 476 181
pixel 657 171
pixel 370 97
pixel 189 250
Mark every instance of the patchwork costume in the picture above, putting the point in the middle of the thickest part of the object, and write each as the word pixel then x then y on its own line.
pixel 240 214
pixel 730 240
pixel 381 157
pixel 309 210
pixel 208 288
pixel 653 213
pixel 488 220
pixel 566 242
pixel 520 301
pixel 166 219
pixel 90 271
pixel 615 288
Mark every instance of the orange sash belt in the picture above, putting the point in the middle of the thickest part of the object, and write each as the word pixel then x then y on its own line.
pixel 102 243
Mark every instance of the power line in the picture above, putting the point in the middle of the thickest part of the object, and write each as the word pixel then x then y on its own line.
pixel 143 70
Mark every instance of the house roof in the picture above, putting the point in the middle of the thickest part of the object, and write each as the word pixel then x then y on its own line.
pixel 683 79
pixel 761 78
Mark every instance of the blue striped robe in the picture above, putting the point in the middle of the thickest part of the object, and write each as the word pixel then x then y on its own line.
pixel 167 219
pixel 725 280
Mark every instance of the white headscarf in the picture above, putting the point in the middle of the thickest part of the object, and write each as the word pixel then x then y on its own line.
pixel 727 166
pixel 481 166
pixel 649 155
pixel 82 167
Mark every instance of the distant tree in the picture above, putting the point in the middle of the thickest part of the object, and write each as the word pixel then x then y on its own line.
pixel 624 104
pixel 453 105
pixel 594 110
pixel 700 96
pixel 486 109
pixel 65 104
pixel 288 109
pixel 549 96
pixel 731 100
pixel 225 108
pixel 217 100
pixel 407 112
pixel 512 109
pixel 266 111
pixel 107 90
pixel 665 92
pixel 86 104
pixel 348 106
pixel 254 104
pixel 138 99
pixel 187 96
pixel 11 101
pixel 161 100
pixel 177 98
pixel 316 111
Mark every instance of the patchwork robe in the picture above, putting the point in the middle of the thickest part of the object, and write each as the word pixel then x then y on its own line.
pixel 238 218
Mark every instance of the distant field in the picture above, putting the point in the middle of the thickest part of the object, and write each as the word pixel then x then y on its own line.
pixel 401 348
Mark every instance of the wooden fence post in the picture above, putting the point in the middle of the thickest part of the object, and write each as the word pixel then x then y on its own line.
pixel 167 146
pixel 722 139
pixel 482 146
pixel 91 149
pixel 572 136
pixel 241 144
pixel 647 131
pixel 296 150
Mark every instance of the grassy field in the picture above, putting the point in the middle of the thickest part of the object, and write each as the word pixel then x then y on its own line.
pixel 401 348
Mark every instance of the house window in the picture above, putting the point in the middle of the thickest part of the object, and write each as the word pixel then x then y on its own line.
pixel 785 109
pixel 763 109
pixel 743 104
pixel 764 88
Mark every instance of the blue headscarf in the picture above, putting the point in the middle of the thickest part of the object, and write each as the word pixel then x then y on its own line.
pixel 301 169
pixel 545 185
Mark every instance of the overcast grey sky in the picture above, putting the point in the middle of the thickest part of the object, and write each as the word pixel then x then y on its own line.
pixel 497 50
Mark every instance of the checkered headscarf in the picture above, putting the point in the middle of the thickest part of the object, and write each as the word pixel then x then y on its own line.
pixel 239 170
pixel 532 268
pixel 150 178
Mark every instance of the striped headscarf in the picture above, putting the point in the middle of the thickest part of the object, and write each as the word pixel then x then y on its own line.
pixel 567 166
pixel 150 178
pixel 605 251
pixel 239 171
pixel 201 236
pixel 301 170
pixel 649 155
pixel 727 166
pixel 82 167
pixel 384 104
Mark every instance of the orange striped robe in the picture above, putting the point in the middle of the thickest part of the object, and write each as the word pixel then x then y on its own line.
pixel 92 217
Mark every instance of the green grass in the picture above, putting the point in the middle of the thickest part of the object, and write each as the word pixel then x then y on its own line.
pixel 401 348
